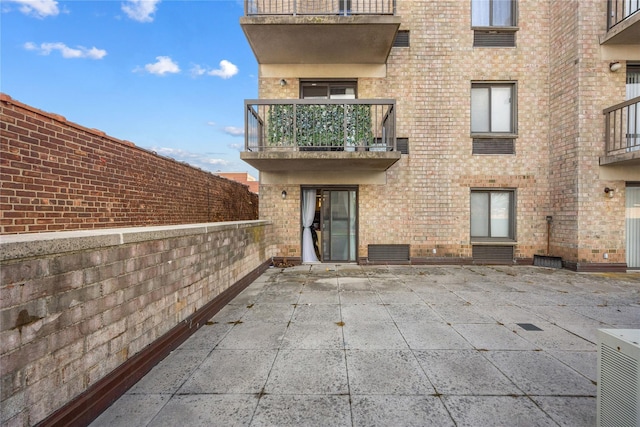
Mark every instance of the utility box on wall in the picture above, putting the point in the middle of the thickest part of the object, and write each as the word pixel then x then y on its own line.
pixel 618 378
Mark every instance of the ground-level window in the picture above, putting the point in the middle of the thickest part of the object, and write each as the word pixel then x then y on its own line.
pixel 493 214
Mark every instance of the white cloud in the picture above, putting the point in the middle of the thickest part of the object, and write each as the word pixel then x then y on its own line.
pixel 66 51
pixel 38 8
pixel 163 65
pixel 226 70
pixel 140 10
pixel 233 131
pixel 199 160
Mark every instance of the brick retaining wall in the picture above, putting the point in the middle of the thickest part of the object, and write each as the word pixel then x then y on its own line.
pixel 57 175
pixel 76 305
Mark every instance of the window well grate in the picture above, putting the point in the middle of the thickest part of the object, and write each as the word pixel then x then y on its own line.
pixel 388 253
pixel 493 146
pixel 487 254
pixel 494 39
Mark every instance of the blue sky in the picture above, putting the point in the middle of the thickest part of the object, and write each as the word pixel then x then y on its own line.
pixel 168 75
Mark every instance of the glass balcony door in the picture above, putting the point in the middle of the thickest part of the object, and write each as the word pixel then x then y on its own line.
pixel 338 225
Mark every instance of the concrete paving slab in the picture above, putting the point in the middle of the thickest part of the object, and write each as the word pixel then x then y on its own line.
pixel 207 337
pixel 462 314
pixel 552 337
pixel 303 411
pixel 254 336
pixel 169 375
pixel 205 410
pixel 132 410
pixel 537 373
pixel 386 372
pixel 269 313
pixel 406 313
pixel 612 315
pixel 496 411
pixel 408 297
pixel 464 372
pixel 399 411
pixel 314 336
pixel 493 337
pixel 316 313
pixel 583 362
pixel 308 372
pixel 231 372
pixel 321 284
pixel 319 297
pixel 373 335
pixel 359 297
pixel 363 313
pixel 511 314
pixel 569 411
pixel 354 284
pixel 276 297
pixel 422 335
pixel 438 297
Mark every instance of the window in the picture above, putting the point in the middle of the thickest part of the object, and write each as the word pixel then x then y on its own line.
pixel 493 13
pixel 494 23
pixel 493 214
pixel 493 108
pixel 328 90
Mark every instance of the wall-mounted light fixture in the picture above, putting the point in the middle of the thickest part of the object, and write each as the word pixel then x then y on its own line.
pixel 284 194
pixel 614 66
pixel 283 82
pixel 609 191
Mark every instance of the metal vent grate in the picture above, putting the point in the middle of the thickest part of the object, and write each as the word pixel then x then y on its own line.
pixel 402 39
pixel 618 388
pixel 493 146
pixel 494 39
pixel 483 254
pixel 402 145
pixel 388 253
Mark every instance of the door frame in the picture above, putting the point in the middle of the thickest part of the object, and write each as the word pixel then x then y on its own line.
pixel 319 190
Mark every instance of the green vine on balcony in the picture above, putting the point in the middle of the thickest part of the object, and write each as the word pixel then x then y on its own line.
pixel 324 125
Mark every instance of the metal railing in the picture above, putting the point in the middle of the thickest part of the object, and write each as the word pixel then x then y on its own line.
pixel 619 10
pixel 622 127
pixel 319 7
pixel 320 125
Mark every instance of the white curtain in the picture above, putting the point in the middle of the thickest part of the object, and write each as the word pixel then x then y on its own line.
pixel 308 213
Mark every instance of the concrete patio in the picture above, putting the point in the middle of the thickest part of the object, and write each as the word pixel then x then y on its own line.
pixel 349 345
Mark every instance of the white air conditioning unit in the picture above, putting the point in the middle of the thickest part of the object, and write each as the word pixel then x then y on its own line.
pixel 618 378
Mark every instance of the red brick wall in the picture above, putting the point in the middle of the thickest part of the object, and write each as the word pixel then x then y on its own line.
pixel 56 175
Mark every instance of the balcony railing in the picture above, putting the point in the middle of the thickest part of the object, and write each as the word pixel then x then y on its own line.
pixel 320 125
pixel 619 10
pixel 320 7
pixel 622 127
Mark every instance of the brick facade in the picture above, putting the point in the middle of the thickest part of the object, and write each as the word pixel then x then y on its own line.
pixel 562 86
pixel 57 175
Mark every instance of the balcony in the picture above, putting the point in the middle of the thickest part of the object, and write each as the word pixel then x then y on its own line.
pixel 320 31
pixel 353 135
pixel 623 30
pixel 622 134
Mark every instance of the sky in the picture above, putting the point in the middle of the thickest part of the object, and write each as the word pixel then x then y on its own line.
pixel 170 76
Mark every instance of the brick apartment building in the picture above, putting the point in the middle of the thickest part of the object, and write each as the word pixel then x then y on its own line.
pixel 463 131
